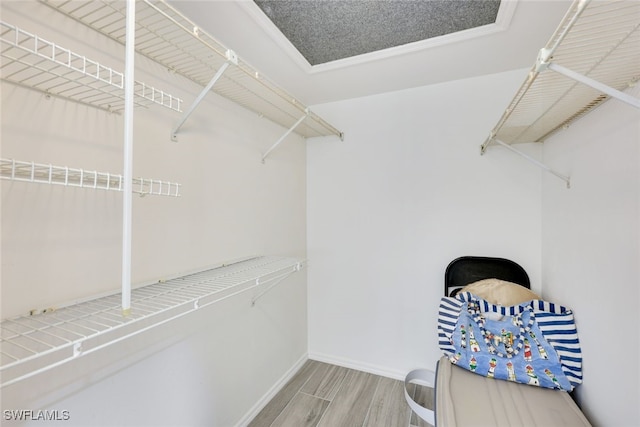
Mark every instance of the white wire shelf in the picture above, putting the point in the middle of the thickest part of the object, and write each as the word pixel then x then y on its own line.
pixel 166 36
pixel 40 173
pixel 33 62
pixel 33 344
pixel 601 42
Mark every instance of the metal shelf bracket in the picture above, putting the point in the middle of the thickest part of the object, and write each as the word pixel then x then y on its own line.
pixel 276 281
pixel 565 178
pixel 291 129
pixel 232 58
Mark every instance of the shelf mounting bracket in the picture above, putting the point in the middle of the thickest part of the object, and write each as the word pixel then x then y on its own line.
pixel 276 281
pixel 291 129
pixel 565 178
pixel 232 58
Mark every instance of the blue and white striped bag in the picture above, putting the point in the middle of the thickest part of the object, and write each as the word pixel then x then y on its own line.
pixel 534 343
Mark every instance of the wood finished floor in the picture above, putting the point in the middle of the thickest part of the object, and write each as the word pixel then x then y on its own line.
pixel 325 395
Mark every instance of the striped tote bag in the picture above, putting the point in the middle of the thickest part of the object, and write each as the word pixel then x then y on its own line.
pixel 533 343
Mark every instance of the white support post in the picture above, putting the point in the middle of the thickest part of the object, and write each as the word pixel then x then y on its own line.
pixel 291 129
pixel 232 58
pixel 624 97
pixel 128 156
pixel 535 162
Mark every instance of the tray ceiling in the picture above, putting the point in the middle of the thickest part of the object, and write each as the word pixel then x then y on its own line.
pixel 512 42
pixel 326 31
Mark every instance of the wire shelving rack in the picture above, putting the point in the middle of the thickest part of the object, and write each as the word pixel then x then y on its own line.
pixel 41 173
pixel 33 62
pixel 33 344
pixel 592 57
pixel 166 36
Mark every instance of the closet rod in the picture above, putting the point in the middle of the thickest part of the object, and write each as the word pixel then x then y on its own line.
pixel 291 129
pixel 534 161
pixel 232 58
pixel 128 157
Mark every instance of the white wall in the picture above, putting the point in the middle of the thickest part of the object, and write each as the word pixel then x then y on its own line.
pixel 403 195
pixel 387 209
pixel 591 252
pixel 63 244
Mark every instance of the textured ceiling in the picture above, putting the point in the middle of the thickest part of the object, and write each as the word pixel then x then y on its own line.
pixel 329 30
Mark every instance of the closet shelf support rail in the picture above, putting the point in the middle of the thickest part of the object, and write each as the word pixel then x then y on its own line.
pixel 291 129
pixel 232 58
pixel 565 178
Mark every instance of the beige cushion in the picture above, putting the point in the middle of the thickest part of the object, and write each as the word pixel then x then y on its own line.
pixel 500 292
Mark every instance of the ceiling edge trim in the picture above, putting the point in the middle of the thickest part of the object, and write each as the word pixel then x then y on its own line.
pixel 503 20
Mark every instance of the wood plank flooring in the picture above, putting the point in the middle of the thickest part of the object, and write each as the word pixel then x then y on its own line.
pixel 324 395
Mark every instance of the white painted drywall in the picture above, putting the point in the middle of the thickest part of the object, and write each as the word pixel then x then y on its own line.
pixel 404 194
pixel 591 252
pixel 388 208
pixel 64 244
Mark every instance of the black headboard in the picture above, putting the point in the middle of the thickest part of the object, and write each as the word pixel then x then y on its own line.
pixel 468 269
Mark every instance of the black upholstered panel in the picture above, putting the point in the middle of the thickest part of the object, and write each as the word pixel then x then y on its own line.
pixel 468 269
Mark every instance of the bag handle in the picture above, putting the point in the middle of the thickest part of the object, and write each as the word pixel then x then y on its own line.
pixel 473 308
pixel 428 378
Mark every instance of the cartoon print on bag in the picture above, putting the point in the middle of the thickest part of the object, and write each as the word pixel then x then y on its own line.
pixel 463 337
pixel 494 340
pixel 491 341
pixel 511 373
pixel 541 350
pixel 550 374
pixel 454 359
pixel 533 378
pixel 492 368
pixel 475 347
pixel 495 348
pixel 527 350
pixel 507 340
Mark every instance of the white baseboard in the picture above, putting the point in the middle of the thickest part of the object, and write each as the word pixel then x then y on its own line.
pixel 334 360
pixel 262 402
pixel 360 366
